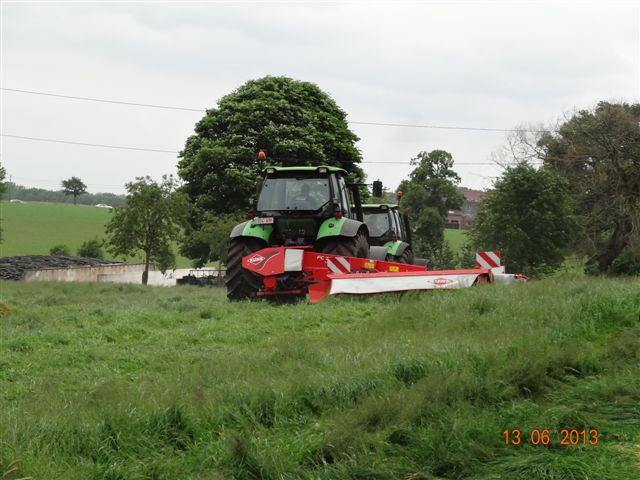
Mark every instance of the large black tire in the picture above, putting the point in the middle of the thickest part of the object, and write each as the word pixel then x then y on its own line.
pixel 357 246
pixel 406 257
pixel 242 284
pixel 287 299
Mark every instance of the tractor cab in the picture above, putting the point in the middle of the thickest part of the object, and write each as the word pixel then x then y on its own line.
pixel 384 223
pixel 388 229
pixel 296 203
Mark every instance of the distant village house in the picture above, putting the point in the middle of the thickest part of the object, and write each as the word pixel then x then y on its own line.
pixel 465 217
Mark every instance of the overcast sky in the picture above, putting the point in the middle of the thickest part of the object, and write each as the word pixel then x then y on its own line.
pixel 470 64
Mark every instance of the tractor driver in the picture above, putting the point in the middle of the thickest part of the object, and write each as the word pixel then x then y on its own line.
pixel 303 201
pixel 381 222
pixel 310 197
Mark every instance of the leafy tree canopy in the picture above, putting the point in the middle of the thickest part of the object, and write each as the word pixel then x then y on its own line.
pixel 429 194
pixel 528 216
pixel 74 186
pixel 3 185
pixel 598 152
pixel 214 234
pixel 294 122
pixel 152 219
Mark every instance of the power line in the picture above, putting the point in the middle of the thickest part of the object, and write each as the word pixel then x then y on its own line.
pixel 102 100
pixel 52 140
pixel 455 163
pixel 202 110
pixel 100 145
pixel 445 127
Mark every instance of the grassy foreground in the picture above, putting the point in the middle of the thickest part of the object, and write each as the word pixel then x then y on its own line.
pixel 126 382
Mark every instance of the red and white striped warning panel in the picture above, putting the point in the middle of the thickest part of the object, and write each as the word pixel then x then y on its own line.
pixel 338 265
pixel 488 259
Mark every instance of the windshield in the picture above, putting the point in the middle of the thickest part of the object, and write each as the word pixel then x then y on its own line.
pixel 378 223
pixel 302 193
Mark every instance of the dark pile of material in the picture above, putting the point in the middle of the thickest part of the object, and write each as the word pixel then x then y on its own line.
pixel 13 268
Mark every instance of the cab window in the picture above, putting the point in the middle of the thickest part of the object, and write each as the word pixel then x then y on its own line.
pixel 344 197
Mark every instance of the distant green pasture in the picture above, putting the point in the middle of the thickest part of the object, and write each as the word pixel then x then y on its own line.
pixel 33 228
pixel 455 238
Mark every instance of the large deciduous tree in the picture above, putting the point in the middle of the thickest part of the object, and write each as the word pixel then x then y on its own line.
pixel 214 234
pixel 74 186
pixel 152 219
pixel 528 216
pixel 598 152
pixel 294 122
pixel 429 194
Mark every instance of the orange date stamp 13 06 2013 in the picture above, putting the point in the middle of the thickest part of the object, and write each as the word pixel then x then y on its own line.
pixel 545 436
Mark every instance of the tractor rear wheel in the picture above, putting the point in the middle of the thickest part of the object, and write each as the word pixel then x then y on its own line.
pixel 357 246
pixel 241 283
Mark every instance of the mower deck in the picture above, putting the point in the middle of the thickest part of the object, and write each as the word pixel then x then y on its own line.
pixel 300 270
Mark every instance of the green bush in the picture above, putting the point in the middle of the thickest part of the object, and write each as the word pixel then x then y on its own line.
pixel 91 249
pixel 528 217
pixel 442 257
pixel 626 263
pixel 60 250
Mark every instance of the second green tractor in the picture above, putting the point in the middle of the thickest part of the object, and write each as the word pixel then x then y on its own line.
pixel 389 229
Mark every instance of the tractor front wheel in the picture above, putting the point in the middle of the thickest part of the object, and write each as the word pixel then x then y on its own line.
pixel 241 283
pixel 357 246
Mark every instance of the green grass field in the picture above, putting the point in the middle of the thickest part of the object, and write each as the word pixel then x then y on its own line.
pixel 125 382
pixel 455 238
pixel 33 228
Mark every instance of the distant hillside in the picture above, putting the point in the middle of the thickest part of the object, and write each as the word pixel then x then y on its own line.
pixel 18 192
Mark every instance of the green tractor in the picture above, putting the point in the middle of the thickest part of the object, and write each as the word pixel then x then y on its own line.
pixel 297 206
pixel 388 229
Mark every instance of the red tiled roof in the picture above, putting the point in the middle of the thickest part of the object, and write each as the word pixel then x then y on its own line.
pixel 473 195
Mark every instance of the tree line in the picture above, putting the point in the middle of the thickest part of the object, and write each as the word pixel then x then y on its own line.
pixel 29 194
pixel 571 191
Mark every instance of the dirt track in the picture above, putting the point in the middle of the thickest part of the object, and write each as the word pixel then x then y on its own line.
pixel 13 268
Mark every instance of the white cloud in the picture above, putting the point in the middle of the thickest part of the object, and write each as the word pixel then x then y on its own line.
pixel 490 64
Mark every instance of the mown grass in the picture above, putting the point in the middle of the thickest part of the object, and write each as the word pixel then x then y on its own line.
pixel 33 228
pixel 126 382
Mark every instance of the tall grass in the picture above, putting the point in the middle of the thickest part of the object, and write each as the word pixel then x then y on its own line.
pixel 120 382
